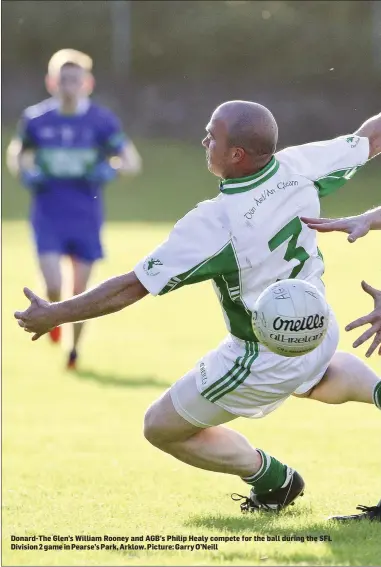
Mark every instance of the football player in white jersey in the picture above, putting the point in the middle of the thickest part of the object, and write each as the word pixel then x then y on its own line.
pixel 246 238
pixel 358 226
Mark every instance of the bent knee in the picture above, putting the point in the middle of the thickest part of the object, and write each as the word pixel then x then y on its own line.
pixel 163 425
pixel 152 429
pixel 79 289
pixel 305 395
pixel 53 292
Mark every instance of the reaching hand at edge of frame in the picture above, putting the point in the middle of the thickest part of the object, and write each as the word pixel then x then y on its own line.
pixel 356 226
pixel 373 319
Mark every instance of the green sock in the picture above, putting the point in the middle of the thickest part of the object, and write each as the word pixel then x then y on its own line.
pixel 271 475
pixel 377 395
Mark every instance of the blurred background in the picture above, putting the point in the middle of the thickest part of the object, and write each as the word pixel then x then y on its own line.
pixel 164 65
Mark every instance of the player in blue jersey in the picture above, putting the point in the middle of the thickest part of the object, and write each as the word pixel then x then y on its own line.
pixel 66 150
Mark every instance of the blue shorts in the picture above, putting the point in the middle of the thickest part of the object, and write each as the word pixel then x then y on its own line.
pixel 85 246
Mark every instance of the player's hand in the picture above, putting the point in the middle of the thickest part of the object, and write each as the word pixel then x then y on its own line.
pixel 356 226
pixel 373 319
pixel 38 318
pixel 33 178
pixel 102 173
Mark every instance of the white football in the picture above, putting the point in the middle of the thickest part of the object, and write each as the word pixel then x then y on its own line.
pixel 291 317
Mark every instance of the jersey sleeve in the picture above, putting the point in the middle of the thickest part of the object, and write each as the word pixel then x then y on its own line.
pixel 329 164
pixel 111 136
pixel 24 133
pixel 192 253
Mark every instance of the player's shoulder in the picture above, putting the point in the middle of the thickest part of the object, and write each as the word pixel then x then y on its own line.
pixel 102 112
pixel 40 109
pixel 207 207
pixel 208 213
pixel 333 144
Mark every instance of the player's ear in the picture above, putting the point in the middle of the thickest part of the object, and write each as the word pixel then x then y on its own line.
pixel 89 84
pixel 50 84
pixel 237 154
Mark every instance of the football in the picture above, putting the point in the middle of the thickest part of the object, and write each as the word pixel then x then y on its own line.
pixel 291 317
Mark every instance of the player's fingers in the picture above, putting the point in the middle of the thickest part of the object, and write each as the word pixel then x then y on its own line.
pixel 369 289
pixel 330 226
pixel 340 226
pixel 374 345
pixel 356 233
pixel 20 315
pixel 36 336
pixel 365 336
pixel 322 227
pixel 319 220
pixel 29 294
pixel 359 322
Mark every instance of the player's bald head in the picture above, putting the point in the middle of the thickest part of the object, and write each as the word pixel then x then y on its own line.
pixel 249 125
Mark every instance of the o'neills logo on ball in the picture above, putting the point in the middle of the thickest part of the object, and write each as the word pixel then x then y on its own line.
pixel 309 323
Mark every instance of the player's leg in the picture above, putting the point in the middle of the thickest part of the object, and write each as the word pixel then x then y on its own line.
pixel 350 379
pixel 370 513
pixel 204 446
pixel 343 378
pixel 84 248
pixel 49 251
pixel 50 267
pixel 51 270
pixel 81 275
pixel 186 425
pixel 347 379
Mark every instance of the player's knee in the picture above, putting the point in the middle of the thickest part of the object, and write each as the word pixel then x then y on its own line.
pixel 152 427
pixel 53 292
pixel 79 288
pixel 305 395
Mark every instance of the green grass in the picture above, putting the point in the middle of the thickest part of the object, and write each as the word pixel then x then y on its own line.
pixel 74 457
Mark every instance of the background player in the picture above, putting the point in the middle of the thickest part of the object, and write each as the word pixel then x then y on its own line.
pixel 358 226
pixel 66 149
pixel 237 241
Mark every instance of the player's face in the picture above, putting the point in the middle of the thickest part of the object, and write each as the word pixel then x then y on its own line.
pixel 217 149
pixel 71 82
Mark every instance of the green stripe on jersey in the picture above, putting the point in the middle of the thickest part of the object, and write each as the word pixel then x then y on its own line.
pixel 224 269
pixel 336 179
pixel 235 376
pixel 232 186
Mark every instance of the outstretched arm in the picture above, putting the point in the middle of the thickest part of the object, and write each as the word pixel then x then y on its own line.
pixel 356 226
pixel 18 158
pixel 108 297
pixel 131 161
pixel 372 129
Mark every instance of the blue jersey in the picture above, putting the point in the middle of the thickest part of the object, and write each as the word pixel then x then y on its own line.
pixel 67 147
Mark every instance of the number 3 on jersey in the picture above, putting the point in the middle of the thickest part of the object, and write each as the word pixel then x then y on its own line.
pixel 291 230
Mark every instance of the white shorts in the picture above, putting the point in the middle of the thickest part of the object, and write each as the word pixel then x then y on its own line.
pixel 245 379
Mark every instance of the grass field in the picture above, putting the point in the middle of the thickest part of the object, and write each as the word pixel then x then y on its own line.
pixel 74 457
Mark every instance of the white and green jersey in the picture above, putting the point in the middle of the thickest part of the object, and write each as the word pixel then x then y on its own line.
pixel 251 235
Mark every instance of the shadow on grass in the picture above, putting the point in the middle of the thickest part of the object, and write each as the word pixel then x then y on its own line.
pixel 120 381
pixel 347 543
pixel 252 522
